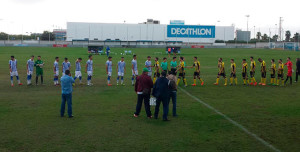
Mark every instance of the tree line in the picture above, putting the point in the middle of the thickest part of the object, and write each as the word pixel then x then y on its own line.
pixel 33 36
pixel 275 37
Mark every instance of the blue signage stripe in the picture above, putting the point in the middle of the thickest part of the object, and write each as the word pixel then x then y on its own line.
pixel 191 31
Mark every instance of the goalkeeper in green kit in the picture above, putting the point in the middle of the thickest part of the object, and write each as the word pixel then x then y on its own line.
pixel 39 64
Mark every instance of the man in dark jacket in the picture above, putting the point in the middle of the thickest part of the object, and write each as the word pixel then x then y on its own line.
pixel 161 92
pixel 297 68
pixel 143 87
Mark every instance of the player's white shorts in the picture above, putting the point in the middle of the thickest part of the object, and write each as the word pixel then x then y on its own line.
pixel 120 74
pixel 78 74
pixel 109 74
pixel 136 73
pixel 90 73
pixel 14 73
pixel 30 73
pixel 150 74
pixel 56 73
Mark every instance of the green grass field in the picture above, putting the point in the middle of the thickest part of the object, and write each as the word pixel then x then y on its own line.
pixel 30 119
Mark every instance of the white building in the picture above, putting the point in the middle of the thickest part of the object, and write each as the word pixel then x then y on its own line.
pixel 148 32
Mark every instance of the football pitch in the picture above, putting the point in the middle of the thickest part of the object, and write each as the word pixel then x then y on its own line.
pixel 30 118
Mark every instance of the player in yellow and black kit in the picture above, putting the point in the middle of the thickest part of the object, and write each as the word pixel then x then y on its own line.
pixel 273 72
pixel 252 71
pixel 280 74
pixel 196 65
pixel 233 72
pixel 181 72
pixel 244 73
pixel 156 68
pixel 263 72
pixel 221 66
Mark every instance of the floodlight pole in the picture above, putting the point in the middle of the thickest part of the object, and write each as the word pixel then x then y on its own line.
pixel 247 20
pixel 280 29
pixel 247 27
pixel 275 29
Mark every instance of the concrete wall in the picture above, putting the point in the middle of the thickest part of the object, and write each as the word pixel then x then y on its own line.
pixel 31 43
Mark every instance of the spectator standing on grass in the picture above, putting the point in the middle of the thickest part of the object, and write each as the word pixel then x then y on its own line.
pixel 143 87
pixel 161 92
pixel 66 93
pixel 297 68
pixel 107 51
pixel 169 52
pixel 173 91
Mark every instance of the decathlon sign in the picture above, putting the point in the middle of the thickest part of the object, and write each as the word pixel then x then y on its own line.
pixel 191 31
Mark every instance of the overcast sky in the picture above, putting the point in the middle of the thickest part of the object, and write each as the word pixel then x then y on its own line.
pixel 39 15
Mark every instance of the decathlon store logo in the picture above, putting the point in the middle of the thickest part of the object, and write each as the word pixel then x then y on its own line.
pixel 191 31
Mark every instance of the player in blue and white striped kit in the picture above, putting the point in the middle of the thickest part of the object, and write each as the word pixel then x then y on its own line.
pixel 30 67
pixel 121 69
pixel 89 70
pixel 78 70
pixel 13 70
pixel 149 66
pixel 134 69
pixel 109 69
pixel 56 71
pixel 66 65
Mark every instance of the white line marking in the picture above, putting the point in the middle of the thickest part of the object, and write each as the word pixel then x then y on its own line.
pixel 232 121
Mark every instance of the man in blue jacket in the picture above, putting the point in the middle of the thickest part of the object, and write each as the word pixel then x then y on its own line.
pixel 107 51
pixel 66 93
pixel 161 92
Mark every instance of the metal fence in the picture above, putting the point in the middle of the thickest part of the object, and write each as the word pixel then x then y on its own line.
pixel 138 44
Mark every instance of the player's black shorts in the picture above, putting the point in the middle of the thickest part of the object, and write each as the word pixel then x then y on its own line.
pixel 233 75
pixel 222 74
pixel 181 75
pixel 280 76
pixel 245 75
pixel 156 75
pixel 252 74
pixel 263 74
pixel 273 76
pixel 196 74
